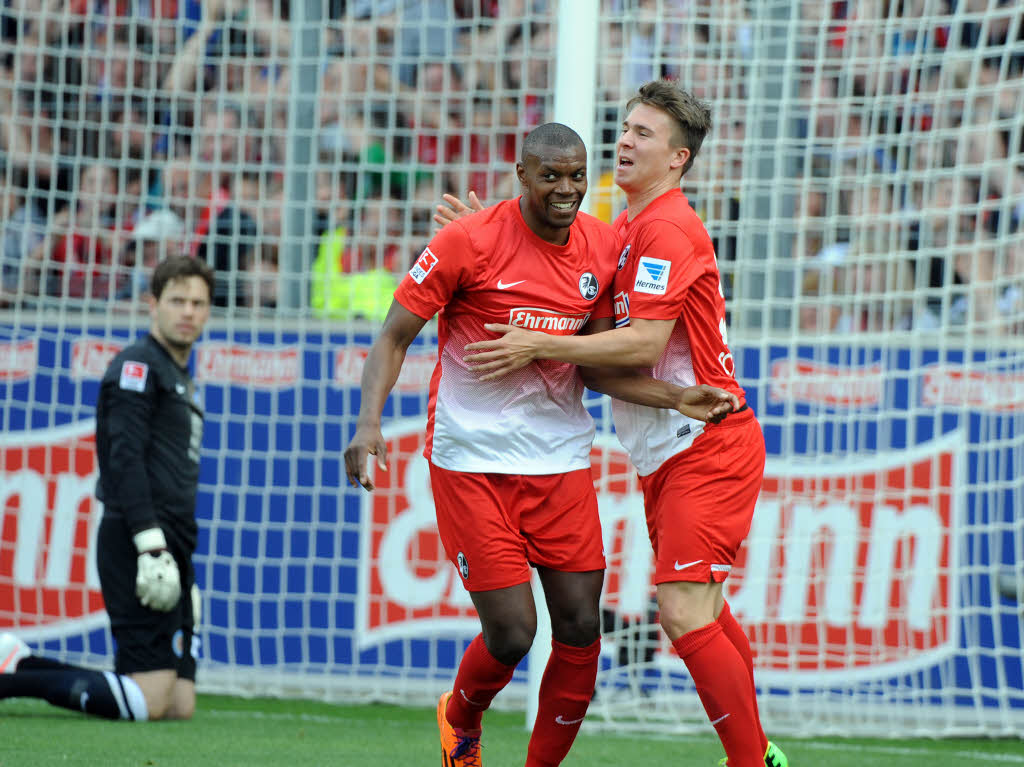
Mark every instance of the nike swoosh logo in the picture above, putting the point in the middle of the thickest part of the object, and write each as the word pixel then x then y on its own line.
pixel 723 716
pixel 468 700
pixel 678 566
pixel 8 661
pixel 506 285
pixel 572 721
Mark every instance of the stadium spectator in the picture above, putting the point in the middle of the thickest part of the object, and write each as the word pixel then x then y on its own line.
pixel 486 147
pixel 436 119
pixel 234 62
pixel 354 272
pixel 528 77
pixel 262 279
pixel 231 51
pixel 653 32
pixel 119 62
pixel 220 144
pixel 261 197
pixel 875 286
pixel 509 464
pixel 990 292
pixel 700 482
pixel 78 257
pixel 341 111
pixel 156 236
pixel 130 136
pixel 821 308
pixel 410 29
pixel 22 228
pixel 222 233
pixel 148 429
pixel 28 141
pixel 228 245
pixel 812 220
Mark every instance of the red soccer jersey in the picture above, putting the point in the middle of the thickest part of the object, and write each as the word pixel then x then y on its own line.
pixel 490 267
pixel 669 272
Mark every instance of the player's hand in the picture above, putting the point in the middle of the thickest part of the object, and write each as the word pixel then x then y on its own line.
pixel 157 581
pixel 515 349
pixel 365 442
pixel 707 403
pixel 455 209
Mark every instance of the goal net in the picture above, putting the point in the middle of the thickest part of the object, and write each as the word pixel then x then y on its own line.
pixel 863 185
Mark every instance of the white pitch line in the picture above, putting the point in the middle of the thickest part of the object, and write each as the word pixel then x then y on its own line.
pixel 318 718
pixel 981 757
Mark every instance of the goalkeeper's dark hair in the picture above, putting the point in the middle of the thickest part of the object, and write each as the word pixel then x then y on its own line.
pixel 550 135
pixel 177 268
pixel 691 116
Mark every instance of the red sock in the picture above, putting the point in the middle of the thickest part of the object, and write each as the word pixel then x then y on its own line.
pixel 565 692
pixel 723 685
pixel 739 640
pixel 479 679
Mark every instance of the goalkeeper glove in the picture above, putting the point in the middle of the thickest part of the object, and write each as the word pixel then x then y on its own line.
pixel 197 608
pixel 157 583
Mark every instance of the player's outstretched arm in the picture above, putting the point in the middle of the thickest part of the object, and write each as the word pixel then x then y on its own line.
pixel 704 403
pixel 380 371
pixel 701 402
pixel 455 209
pixel 637 345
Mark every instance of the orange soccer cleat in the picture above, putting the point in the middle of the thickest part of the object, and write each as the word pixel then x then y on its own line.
pixel 456 750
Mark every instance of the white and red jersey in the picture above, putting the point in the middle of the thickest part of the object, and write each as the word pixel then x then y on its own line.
pixel 668 271
pixel 490 267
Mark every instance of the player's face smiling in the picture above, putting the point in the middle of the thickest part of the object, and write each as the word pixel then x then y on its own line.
pixel 180 314
pixel 554 184
pixel 645 156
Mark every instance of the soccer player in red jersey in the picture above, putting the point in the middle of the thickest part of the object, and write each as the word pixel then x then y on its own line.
pixel 700 481
pixel 510 459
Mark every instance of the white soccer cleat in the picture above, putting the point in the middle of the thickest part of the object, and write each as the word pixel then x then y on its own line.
pixel 12 650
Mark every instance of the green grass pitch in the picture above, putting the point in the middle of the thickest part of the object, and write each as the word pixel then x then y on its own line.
pixel 235 732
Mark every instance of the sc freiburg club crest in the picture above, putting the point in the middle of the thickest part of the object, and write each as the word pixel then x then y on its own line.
pixel 588 286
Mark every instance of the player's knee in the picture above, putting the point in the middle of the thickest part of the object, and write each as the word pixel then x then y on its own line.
pixel 182 709
pixel 156 689
pixel 171 707
pixel 680 613
pixel 157 706
pixel 510 644
pixel 165 706
pixel 675 624
pixel 183 700
pixel 580 629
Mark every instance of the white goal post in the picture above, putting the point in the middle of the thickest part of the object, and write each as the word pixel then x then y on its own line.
pixel 864 187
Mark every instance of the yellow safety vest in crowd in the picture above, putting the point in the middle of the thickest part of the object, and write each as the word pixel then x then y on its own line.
pixel 345 296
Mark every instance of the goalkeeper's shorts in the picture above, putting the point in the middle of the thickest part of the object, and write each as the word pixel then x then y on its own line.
pixel 494 526
pixel 700 502
pixel 147 640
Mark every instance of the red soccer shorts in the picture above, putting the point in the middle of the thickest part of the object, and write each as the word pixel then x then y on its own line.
pixel 494 526
pixel 700 502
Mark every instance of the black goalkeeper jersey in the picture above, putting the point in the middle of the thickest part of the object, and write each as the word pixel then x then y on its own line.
pixel 149 426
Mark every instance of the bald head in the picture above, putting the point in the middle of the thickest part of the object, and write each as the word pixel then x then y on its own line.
pixel 549 136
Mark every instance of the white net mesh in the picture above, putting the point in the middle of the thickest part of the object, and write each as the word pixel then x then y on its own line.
pixel 862 184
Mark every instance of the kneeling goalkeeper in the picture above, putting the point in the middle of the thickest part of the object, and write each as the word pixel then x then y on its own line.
pixel 149 427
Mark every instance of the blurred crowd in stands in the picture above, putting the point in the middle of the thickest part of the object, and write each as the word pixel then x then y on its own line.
pixel 134 128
